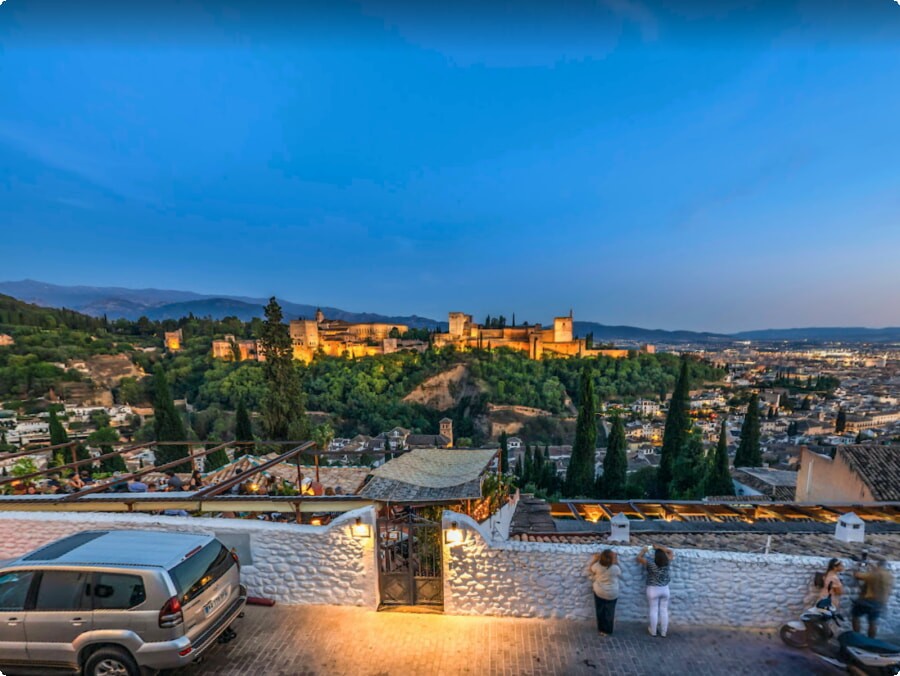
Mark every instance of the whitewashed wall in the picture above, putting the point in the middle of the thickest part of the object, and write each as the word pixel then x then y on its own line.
pixel 531 579
pixel 290 563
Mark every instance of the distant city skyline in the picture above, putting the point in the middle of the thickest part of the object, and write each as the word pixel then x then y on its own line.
pixel 716 167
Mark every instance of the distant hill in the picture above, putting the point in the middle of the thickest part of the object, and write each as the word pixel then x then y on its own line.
pixel 604 333
pixel 830 334
pixel 116 302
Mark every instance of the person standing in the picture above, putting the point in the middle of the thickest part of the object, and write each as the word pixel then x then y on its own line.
pixel 878 586
pixel 605 572
pixel 658 575
pixel 832 588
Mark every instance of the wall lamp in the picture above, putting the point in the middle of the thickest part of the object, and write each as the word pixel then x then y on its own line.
pixel 360 529
pixel 454 534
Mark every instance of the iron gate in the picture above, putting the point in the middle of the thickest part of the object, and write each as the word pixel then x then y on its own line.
pixel 409 561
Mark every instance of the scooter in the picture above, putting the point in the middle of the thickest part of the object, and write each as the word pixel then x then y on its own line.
pixel 820 630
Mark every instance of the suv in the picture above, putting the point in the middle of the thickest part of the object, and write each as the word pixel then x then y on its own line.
pixel 116 603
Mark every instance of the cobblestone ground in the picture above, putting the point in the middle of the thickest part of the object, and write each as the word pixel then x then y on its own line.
pixel 320 640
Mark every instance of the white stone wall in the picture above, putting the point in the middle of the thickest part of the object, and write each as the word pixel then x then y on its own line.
pixel 530 579
pixel 290 563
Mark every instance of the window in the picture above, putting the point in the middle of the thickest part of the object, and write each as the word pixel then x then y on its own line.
pixel 118 592
pixel 14 588
pixel 63 590
pixel 199 571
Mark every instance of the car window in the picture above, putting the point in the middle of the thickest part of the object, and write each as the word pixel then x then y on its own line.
pixel 113 591
pixel 62 590
pixel 14 588
pixel 199 571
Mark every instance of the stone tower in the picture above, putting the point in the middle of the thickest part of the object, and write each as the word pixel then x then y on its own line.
pixel 562 329
pixel 447 429
pixel 320 316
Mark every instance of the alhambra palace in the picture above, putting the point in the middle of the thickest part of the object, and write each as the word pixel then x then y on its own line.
pixel 336 337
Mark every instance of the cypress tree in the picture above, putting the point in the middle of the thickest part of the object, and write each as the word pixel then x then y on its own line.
pixel 104 437
pixel 689 473
pixel 580 472
pixel 615 464
pixel 548 479
pixel 57 431
pixel 283 410
pixel 243 429
pixel 528 471
pixel 841 423
pixel 504 453
pixel 719 480
pixel 678 426
pixel 167 424
pixel 748 453
pixel 216 459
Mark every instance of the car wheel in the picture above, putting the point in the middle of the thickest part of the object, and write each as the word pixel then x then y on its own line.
pixel 111 662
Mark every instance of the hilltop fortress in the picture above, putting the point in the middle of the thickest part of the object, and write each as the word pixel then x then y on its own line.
pixel 532 339
pixel 336 337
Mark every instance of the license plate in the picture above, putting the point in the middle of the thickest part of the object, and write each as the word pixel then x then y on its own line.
pixel 214 603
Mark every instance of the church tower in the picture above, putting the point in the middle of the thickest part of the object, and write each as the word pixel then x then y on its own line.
pixel 447 430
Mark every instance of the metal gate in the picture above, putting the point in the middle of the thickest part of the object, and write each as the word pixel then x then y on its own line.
pixel 409 561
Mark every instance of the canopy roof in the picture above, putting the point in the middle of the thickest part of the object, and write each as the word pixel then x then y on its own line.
pixel 430 474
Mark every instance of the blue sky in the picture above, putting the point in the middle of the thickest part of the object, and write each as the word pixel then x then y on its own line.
pixel 719 166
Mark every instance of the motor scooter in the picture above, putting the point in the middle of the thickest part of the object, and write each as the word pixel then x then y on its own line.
pixel 820 630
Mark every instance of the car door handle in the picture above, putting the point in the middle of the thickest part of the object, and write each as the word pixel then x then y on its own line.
pixel 76 622
pixel 12 621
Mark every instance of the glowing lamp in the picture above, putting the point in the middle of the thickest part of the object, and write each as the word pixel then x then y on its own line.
pixel 454 535
pixel 316 522
pixel 360 529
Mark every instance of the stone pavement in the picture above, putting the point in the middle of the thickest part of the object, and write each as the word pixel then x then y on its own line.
pixel 319 640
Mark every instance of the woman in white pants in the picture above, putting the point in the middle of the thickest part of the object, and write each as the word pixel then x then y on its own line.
pixel 658 569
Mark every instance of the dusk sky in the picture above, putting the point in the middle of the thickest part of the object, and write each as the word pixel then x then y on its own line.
pixel 727 165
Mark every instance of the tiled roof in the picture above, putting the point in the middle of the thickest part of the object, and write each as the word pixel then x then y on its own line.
pixel 777 484
pixel 877 466
pixel 427 441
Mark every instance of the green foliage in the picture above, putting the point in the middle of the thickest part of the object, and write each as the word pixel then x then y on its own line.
pixel 840 425
pixel 23 466
pixel 677 429
pixel 104 438
pixel 167 423
pixel 642 484
pixel 689 471
pixel 216 459
pixel 748 452
pixel 284 409
pixel 243 429
pixel 580 472
pixel 504 453
pixel 57 431
pixel 615 463
pixel 718 481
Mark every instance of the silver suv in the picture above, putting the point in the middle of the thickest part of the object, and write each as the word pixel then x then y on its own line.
pixel 118 603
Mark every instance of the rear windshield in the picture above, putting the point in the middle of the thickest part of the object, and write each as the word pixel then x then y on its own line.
pixel 198 572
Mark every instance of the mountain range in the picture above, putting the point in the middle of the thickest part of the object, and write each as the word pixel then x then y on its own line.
pixel 120 302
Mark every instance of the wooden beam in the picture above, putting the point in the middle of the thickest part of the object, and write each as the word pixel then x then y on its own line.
pixel 97 488
pixel 73 465
pixel 223 486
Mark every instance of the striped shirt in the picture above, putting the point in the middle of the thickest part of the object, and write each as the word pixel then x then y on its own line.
pixel 656 576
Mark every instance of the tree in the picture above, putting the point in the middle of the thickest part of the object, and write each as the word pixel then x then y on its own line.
pixel 718 481
pixel 675 433
pixel 504 453
pixel 528 465
pixel 323 435
pixel 806 404
pixel 57 431
pixel 284 406
pixel 748 452
pixel 167 423
pixel 580 472
pixel 689 471
pixel 216 459
pixel 615 464
pixel 548 480
pixel 104 438
pixel 841 423
pixel 243 430
pixel 771 413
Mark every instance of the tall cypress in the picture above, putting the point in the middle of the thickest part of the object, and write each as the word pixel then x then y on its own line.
pixel 57 431
pixel 675 434
pixel 167 424
pixel 749 453
pixel 284 408
pixel 840 425
pixel 528 465
pixel 580 472
pixel 718 482
pixel 504 453
pixel 689 473
pixel 243 429
pixel 615 464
